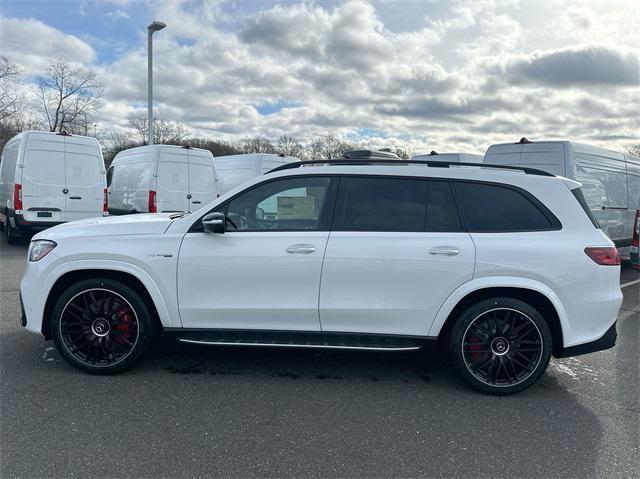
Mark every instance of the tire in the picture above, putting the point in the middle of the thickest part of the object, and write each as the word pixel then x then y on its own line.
pixel 500 345
pixel 102 326
pixel 12 238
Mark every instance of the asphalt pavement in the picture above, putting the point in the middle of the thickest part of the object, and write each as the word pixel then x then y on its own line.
pixel 194 411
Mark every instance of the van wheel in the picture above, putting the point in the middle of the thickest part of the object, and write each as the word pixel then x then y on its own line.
pixel 501 345
pixel 12 238
pixel 101 326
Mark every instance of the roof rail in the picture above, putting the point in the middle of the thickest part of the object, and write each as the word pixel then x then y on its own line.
pixel 433 164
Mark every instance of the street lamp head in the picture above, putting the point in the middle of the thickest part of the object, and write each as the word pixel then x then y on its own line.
pixel 156 26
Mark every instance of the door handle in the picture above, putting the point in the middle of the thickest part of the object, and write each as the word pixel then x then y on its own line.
pixel 75 197
pixel 445 250
pixel 196 202
pixel 301 249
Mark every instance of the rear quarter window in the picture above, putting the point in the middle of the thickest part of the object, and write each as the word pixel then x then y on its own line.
pixel 489 207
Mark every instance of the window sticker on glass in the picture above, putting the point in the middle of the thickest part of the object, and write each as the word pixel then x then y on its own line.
pixel 296 207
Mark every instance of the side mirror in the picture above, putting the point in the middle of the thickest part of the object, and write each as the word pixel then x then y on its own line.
pixel 214 223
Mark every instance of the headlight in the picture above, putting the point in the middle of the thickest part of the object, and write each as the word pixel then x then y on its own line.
pixel 40 249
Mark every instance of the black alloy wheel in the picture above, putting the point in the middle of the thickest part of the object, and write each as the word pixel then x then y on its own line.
pixel 503 345
pixel 101 326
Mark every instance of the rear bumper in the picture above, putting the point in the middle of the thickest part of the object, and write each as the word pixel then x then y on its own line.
pixel 34 225
pixel 607 341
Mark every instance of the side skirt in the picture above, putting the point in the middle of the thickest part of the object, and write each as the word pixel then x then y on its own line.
pixel 300 339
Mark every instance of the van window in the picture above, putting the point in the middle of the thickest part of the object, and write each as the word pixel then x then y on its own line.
pixel 173 176
pixel 201 179
pixel 292 204
pixel 44 167
pixel 82 170
pixel 491 208
pixel 442 210
pixel 381 204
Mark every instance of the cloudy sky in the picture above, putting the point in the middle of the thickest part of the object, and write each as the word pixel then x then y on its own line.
pixel 444 75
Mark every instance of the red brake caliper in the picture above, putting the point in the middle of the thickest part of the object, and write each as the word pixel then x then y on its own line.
pixel 475 347
pixel 124 325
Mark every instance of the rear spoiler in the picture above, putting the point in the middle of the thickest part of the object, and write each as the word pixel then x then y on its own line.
pixel 571 184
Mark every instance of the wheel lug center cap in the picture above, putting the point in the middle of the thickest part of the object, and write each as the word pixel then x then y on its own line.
pixel 499 346
pixel 100 327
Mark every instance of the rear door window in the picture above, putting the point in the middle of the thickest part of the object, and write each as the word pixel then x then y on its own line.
pixel 82 170
pixel 381 204
pixel 442 210
pixel 173 176
pixel 201 178
pixel 500 208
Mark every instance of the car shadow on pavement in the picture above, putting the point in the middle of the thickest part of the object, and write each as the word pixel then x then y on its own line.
pixel 330 414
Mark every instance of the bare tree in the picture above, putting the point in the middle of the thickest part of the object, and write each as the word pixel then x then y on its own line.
pixel 117 141
pixel 289 146
pixel 164 132
pixel 402 153
pixel 10 98
pixel 217 148
pixel 634 150
pixel 257 144
pixel 69 94
pixel 326 147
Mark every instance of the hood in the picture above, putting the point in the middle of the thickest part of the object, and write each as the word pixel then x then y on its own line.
pixel 138 224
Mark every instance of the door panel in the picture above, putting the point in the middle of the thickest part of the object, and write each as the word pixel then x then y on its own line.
pixel 394 255
pixel 389 282
pixel 43 180
pixel 264 271
pixel 173 185
pixel 249 280
pixel 202 185
pixel 84 180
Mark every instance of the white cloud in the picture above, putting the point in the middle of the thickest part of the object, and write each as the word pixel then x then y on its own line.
pixel 31 43
pixel 470 74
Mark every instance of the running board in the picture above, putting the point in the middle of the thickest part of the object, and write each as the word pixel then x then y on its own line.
pixel 295 339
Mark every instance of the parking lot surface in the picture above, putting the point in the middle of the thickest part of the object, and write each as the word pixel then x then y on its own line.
pixel 193 411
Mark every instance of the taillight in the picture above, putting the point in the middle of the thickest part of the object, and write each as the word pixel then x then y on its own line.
pixel 105 203
pixel 606 256
pixel 153 206
pixel 17 196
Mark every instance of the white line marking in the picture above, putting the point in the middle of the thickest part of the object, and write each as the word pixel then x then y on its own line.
pixel 630 283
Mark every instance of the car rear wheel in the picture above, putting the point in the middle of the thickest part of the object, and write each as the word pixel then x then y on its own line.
pixel 102 326
pixel 501 345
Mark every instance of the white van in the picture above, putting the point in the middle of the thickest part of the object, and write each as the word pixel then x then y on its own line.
pixel 233 170
pixel 161 178
pixel 610 180
pixel 50 178
pixel 451 157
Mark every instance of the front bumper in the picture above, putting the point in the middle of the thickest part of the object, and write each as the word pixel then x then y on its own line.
pixel 607 341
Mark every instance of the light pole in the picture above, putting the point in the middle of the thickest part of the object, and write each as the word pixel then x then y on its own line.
pixel 154 27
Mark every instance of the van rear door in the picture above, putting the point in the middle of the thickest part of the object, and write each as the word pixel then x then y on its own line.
pixel 43 179
pixel 202 180
pixel 173 180
pixel 85 179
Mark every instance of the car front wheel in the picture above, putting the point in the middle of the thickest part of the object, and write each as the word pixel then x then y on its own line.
pixel 501 345
pixel 101 326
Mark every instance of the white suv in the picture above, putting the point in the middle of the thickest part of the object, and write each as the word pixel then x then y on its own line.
pixel 504 267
